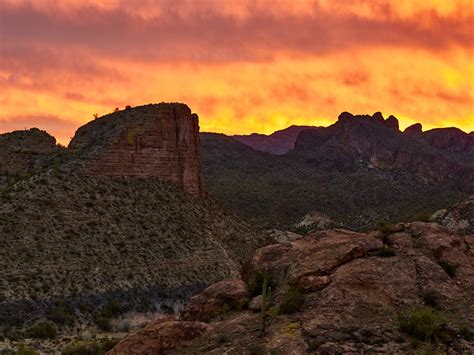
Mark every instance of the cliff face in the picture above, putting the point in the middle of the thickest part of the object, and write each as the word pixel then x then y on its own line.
pixel 157 140
pixel 435 156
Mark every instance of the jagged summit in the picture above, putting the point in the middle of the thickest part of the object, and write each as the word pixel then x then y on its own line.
pixel 377 117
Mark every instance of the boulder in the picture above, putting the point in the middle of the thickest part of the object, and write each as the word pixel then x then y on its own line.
pixel 218 298
pixel 163 334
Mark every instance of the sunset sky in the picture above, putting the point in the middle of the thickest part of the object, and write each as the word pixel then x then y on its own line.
pixel 242 66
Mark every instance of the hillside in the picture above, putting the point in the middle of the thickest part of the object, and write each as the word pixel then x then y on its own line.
pixel 79 238
pixel 361 171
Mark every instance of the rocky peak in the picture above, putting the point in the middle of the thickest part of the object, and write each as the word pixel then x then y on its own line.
pixel 156 140
pixel 392 122
pixel 414 129
pixel 377 118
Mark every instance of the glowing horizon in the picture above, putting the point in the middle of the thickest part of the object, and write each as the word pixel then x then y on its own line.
pixel 242 66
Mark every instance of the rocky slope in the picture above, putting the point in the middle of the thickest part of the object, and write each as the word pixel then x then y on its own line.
pixel 279 142
pixel 404 289
pixel 459 217
pixel 24 153
pixel 361 171
pixel 80 242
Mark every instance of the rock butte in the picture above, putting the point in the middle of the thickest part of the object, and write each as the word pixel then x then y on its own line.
pixel 156 140
pixel 151 141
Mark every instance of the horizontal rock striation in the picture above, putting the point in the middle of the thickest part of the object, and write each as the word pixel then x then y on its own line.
pixel 156 140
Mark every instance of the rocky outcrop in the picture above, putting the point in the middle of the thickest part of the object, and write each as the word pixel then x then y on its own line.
pixel 314 221
pixel 356 290
pixel 450 139
pixel 459 218
pixel 28 152
pixel 358 141
pixel 218 298
pixel 157 140
pixel 162 335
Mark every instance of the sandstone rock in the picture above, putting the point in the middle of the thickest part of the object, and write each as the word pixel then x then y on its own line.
pixel 283 236
pixel 220 297
pixel 313 283
pixel 159 140
pixel 357 311
pixel 316 255
pixel 159 336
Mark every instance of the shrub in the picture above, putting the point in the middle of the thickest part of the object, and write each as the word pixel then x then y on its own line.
pixel 42 330
pixel 385 252
pixel 22 349
pixel 62 314
pixel 111 309
pixel 431 298
pixel 292 301
pixel 448 267
pixel 423 217
pixel 99 347
pixel 466 332
pixel 422 324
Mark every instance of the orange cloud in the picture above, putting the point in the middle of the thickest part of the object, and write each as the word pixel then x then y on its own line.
pixel 243 66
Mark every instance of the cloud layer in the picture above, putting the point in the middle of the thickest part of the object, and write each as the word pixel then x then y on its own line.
pixel 242 65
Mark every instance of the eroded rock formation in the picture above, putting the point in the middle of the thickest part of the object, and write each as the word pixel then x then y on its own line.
pixel 156 140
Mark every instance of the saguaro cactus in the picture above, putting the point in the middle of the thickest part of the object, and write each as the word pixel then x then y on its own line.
pixel 265 292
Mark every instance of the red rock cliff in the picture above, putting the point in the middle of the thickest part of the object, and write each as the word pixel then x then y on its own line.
pixel 156 140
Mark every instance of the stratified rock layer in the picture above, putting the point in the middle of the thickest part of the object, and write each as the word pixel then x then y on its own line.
pixel 157 140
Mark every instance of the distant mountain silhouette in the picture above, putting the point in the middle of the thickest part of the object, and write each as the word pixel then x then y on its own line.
pixel 361 170
pixel 279 142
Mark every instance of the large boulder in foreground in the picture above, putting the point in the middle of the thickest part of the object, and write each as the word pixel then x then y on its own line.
pixel 218 298
pixel 156 140
pixel 339 292
pixel 158 336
